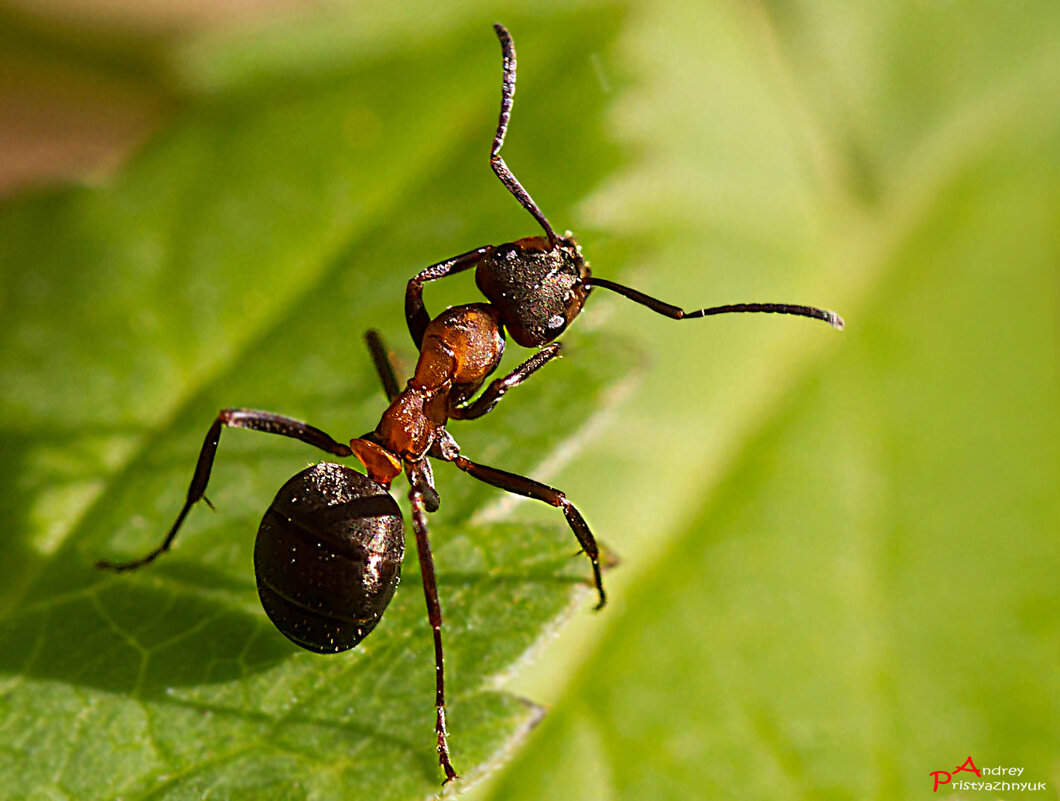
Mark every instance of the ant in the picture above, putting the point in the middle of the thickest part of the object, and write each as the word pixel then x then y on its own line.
pixel 328 553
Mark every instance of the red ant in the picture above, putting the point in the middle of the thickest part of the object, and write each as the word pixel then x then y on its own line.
pixel 328 553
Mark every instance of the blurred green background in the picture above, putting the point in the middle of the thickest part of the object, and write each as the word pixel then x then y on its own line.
pixel 839 552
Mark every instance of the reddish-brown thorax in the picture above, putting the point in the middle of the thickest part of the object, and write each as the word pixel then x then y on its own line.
pixel 461 347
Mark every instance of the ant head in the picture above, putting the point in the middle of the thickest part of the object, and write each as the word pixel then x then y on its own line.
pixel 538 287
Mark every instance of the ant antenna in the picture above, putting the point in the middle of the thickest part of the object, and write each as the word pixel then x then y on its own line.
pixel 677 313
pixel 507 94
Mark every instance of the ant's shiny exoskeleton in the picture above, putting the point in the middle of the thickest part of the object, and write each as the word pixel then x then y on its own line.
pixel 328 552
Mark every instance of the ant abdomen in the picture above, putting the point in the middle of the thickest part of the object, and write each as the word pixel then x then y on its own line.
pixel 538 288
pixel 328 557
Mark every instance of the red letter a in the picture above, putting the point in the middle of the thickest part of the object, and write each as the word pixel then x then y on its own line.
pixel 972 769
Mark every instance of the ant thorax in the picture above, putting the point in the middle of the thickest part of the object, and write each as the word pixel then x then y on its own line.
pixel 461 347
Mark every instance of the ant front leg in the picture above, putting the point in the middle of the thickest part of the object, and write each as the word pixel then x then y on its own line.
pixel 415 313
pixel 492 395
pixel 231 418
pixel 418 497
pixel 527 487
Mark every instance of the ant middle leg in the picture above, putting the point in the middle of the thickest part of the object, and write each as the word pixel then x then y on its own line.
pixel 527 487
pixel 492 395
pixel 383 365
pixel 231 418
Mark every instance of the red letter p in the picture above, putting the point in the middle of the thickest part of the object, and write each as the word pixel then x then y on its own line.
pixel 938 781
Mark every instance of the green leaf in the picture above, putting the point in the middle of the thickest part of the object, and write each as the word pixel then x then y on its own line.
pixel 237 262
pixel 839 551
pixel 860 585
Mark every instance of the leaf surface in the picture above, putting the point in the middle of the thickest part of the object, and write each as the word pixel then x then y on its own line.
pixel 237 262
pixel 865 591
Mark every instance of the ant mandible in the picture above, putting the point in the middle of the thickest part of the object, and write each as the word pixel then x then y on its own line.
pixel 328 553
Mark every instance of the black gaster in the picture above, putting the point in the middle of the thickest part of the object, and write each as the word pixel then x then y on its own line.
pixel 328 557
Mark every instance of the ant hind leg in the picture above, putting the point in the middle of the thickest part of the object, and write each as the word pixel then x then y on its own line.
pixel 231 418
pixel 418 501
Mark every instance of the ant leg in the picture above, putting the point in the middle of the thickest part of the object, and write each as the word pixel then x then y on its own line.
pixel 383 366
pixel 527 487
pixel 510 182
pixel 231 418
pixel 415 313
pixel 495 391
pixel 434 616
pixel 677 313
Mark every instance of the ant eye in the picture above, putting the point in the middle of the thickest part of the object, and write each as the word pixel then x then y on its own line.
pixel 556 322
